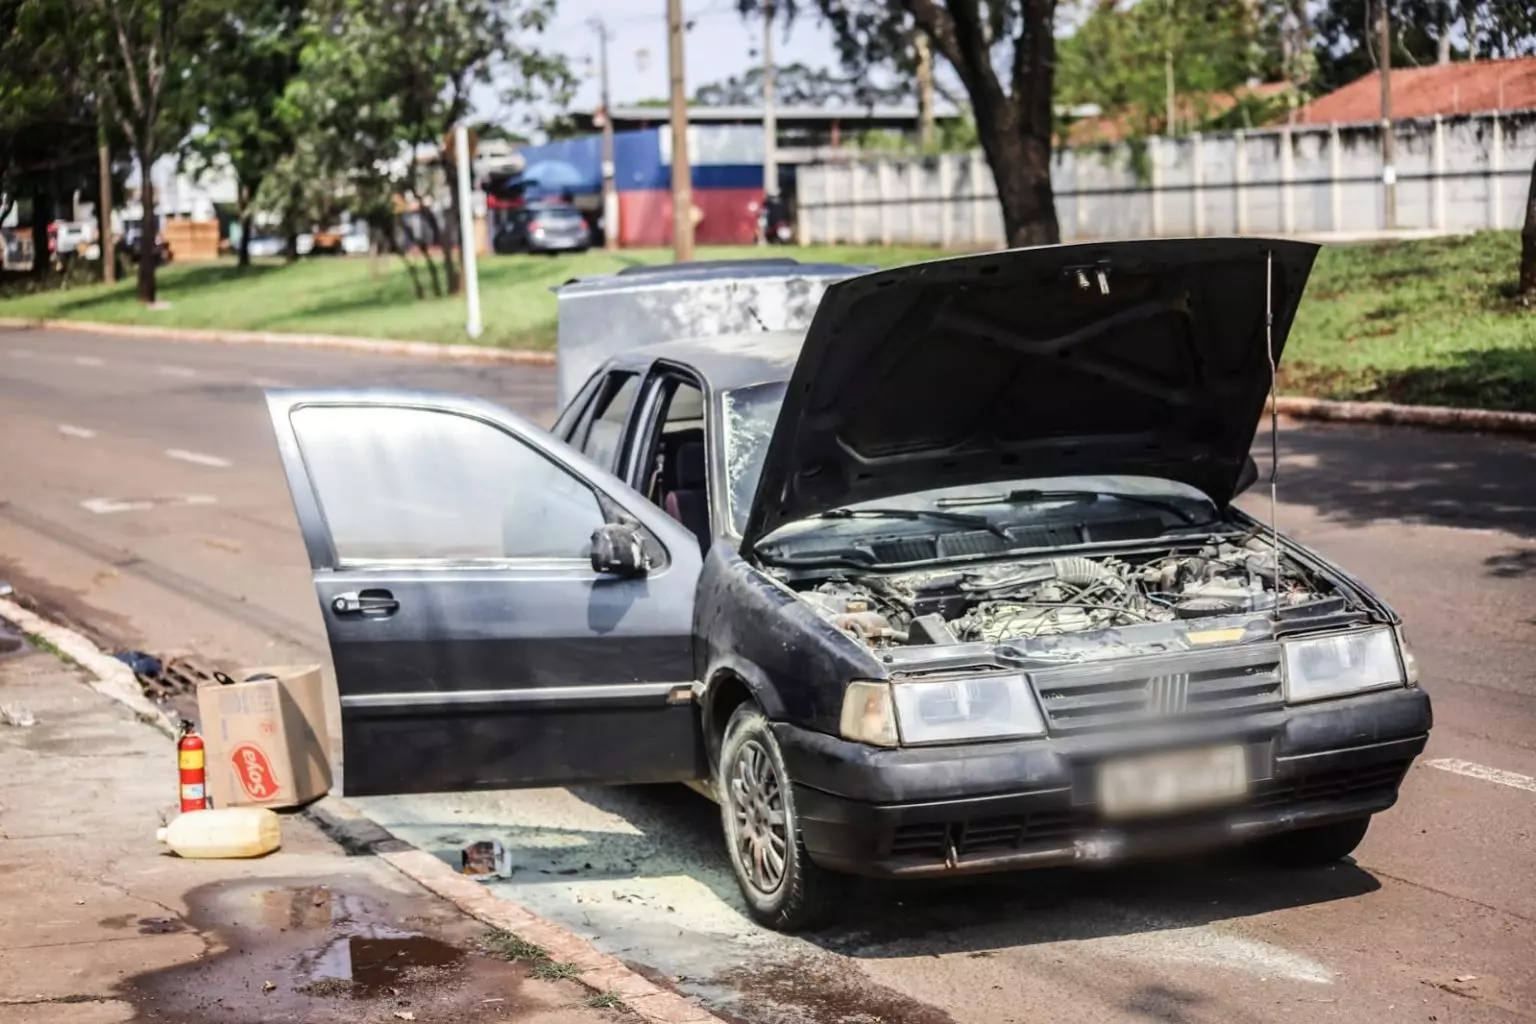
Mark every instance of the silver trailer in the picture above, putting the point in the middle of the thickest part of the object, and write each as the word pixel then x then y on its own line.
pixel 646 305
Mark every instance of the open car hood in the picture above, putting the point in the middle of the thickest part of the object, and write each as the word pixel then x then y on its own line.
pixel 1143 357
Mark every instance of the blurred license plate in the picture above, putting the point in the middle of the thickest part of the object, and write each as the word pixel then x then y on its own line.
pixel 1178 781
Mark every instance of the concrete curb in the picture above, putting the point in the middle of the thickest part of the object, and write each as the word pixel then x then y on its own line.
pixel 112 678
pixel 375 346
pixel 1436 416
pixel 357 834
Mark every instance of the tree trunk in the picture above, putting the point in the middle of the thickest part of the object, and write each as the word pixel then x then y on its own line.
pixel 1528 243
pixel 247 225
pixel 1021 165
pixel 450 235
pixel 42 213
pixel 149 228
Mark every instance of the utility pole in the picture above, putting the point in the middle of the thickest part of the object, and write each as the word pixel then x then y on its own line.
pixel 924 90
pixel 770 124
pixel 104 212
pixel 610 192
pixel 1388 143
pixel 682 174
pixel 468 243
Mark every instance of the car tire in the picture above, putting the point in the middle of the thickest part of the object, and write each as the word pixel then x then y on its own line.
pixel 753 786
pixel 1314 847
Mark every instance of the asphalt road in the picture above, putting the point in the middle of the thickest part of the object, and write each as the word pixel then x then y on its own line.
pixel 140 497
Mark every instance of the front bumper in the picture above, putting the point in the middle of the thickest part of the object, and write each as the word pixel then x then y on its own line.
pixel 1003 806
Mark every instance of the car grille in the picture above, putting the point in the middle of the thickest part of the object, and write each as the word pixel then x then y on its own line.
pixel 1003 833
pixel 1338 784
pixel 1234 681
pixel 934 840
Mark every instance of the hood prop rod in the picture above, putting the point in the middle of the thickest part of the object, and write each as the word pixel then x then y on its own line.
pixel 1274 423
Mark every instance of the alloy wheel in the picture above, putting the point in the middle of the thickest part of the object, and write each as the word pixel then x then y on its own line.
pixel 757 802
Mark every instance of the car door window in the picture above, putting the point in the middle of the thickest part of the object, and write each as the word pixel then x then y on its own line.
pixel 401 483
pixel 606 431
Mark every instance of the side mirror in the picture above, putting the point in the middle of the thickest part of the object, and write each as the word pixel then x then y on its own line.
pixel 618 549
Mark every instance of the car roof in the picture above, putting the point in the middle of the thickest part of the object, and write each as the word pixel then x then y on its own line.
pixel 726 361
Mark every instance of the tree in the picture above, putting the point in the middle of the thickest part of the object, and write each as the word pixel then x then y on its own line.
pixel 134 55
pixel 381 86
pixel 1003 52
pixel 1423 32
pixel 1162 66
pixel 798 85
pixel 248 52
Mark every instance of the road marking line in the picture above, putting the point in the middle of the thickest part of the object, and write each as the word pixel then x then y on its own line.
pixel 87 361
pixel 1482 771
pixel 270 382
pixel 177 371
pixel 69 431
pixel 199 458
pixel 107 506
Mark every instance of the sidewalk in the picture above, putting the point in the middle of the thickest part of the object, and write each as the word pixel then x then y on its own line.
pixel 102 926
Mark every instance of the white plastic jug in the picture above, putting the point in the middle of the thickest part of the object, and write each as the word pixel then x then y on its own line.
pixel 223 832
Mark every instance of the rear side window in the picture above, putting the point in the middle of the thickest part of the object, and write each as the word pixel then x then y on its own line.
pixel 421 484
pixel 605 432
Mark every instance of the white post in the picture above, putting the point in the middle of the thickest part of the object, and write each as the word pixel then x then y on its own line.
pixel 1198 160
pixel 1496 168
pixel 829 172
pixel 946 187
pixel 978 205
pixel 802 215
pixel 914 175
pixel 1288 179
pixel 1154 149
pixel 855 203
pixel 883 192
pixel 1079 219
pixel 1335 186
pixel 1440 215
pixel 467 241
pixel 1240 178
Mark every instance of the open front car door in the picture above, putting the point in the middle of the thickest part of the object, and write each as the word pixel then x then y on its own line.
pixel 478 642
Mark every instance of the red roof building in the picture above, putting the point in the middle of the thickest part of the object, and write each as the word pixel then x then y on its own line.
pixel 1463 87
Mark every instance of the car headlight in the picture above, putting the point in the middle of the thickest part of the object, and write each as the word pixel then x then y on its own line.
pixel 1334 666
pixel 991 707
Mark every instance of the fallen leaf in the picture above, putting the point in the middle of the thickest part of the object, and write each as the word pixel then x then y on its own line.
pixel 79 903
pixel 405 1015
pixel 267 986
pixel 1464 978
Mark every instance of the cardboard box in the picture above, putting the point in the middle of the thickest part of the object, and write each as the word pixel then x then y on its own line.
pixel 266 740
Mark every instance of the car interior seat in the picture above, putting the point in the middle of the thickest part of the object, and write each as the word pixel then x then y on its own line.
pixel 686 498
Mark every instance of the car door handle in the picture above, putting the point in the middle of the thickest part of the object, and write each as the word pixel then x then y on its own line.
pixel 365 602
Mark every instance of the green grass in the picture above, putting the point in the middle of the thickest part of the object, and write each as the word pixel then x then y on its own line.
pixel 1422 322
pixel 1431 322
pixel 605 1001
pixel 551 970
pixel 326 295
pixel 50 647
pixel 510 947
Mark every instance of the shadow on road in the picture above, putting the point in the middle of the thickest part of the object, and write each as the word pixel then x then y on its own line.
pixel 1355 475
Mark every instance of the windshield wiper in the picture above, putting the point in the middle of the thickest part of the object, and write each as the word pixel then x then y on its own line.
pixel 957 518
pixel 1028 497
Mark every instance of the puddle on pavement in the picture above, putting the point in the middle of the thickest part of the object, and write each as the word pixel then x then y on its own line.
pixel 325 953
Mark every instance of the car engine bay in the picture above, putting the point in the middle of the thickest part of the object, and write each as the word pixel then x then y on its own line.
pixel 1035 603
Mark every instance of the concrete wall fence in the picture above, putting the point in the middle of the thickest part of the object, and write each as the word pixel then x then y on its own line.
pixel 1453 173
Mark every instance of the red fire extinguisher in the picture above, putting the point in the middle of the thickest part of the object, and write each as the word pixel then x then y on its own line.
pixel 194 775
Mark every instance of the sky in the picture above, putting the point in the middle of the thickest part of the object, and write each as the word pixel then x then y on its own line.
pixel 719 45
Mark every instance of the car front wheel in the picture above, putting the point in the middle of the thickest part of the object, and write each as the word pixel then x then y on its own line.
pixel 1314 847
pixel 782 888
